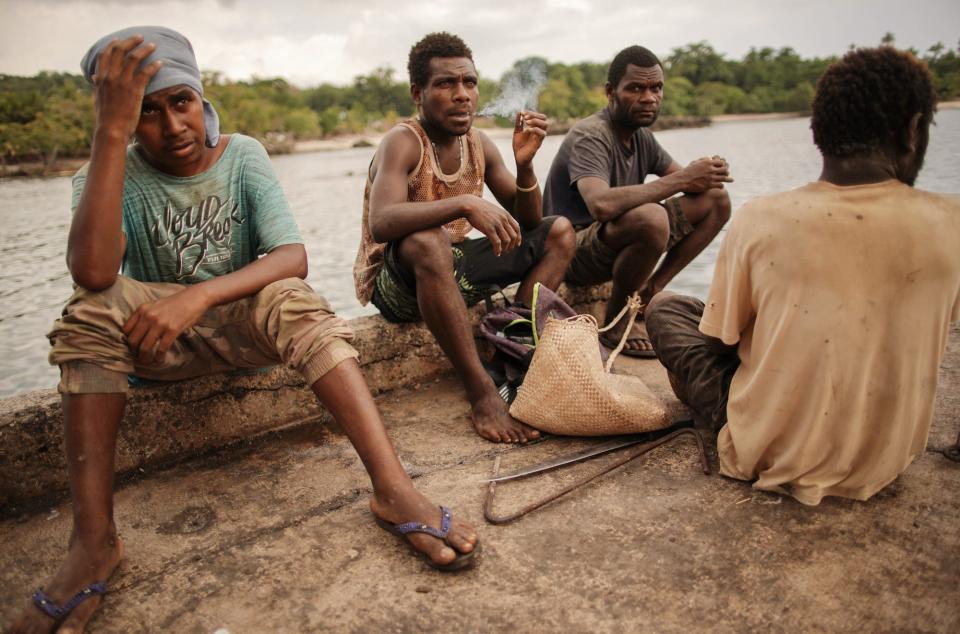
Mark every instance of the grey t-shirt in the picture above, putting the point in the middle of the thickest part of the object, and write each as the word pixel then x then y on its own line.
pixel 187 230
pixel 592 149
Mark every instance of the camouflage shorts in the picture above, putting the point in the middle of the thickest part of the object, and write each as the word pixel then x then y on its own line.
pixel 286 322
pixel 478 272
pixel 593 261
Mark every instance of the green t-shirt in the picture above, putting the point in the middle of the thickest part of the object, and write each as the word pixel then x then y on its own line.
pixel 187 230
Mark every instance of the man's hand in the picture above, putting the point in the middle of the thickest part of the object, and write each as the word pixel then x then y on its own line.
pixel 705 173
pixel 154 326
pixel 120 83
pixel 529 129
pixel 495 223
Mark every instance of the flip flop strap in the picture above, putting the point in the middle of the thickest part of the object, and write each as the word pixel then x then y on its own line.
pixel 43 601
pixel 416 527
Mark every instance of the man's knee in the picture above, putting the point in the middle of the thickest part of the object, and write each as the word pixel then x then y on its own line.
pixel 646 224
pixel 655 315
pixel 719 206
pixel 288 284
pixel 116 297
pixel 426 251
pixel 89 338
pixel 290 295
pixel 297 321
pixel 561 238
pixel 101 314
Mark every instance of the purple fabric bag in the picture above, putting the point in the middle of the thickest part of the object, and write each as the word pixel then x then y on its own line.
pixel 515 330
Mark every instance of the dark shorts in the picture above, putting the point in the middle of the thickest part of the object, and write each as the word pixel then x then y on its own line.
pixel 478 272
pixel 699 376
pixel 593 261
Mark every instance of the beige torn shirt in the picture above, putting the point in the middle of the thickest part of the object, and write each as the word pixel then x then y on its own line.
pixel 840 299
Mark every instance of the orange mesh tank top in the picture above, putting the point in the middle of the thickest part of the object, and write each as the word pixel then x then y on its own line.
pixel 425 183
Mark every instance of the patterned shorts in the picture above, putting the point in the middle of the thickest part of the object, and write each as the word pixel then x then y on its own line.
pixel 477 270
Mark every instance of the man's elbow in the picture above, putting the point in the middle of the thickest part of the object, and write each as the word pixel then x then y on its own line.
pixel 379 232
pixel 96 273
pixel 299 265
pixel 601 211
pixel 303 267
pixel 95 281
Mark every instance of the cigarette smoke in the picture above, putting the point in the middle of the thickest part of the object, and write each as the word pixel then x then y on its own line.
pixel 521 87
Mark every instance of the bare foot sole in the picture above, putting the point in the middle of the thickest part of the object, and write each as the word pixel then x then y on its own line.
pixel 492 420
pixel 440 539
pixel 81 569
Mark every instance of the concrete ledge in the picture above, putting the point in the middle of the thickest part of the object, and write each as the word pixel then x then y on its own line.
pixel 172 422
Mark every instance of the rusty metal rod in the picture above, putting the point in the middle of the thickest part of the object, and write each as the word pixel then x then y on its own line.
pixel 634 453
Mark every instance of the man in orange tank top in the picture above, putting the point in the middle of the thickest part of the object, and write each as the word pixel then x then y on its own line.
pixel 424 195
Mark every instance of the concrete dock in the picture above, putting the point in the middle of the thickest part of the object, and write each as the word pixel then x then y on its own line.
pixel 273 534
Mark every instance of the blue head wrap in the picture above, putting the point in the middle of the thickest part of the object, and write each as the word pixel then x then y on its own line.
pixel 179 67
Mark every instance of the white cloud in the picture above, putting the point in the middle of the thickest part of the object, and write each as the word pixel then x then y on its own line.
pixel 581 6
pixel 310 42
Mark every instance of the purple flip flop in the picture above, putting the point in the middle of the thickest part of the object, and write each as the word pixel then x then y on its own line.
pixel 463 560
pixel 59 612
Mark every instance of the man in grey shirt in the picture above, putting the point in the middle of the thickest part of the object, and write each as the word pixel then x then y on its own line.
pixel 623 224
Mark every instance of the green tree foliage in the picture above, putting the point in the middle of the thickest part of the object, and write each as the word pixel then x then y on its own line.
pixel 51 114
pixel 699 63
pixel 573 91
pixel 945 64
pixel 44 117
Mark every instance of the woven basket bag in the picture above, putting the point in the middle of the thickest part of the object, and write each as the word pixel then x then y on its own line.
pixel 569 391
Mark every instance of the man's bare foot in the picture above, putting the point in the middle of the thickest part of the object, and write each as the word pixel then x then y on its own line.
pixel 492 420
pixel 409 505
pixel 84 565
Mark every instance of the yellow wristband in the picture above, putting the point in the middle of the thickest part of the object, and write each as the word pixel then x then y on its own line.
pixel 528 189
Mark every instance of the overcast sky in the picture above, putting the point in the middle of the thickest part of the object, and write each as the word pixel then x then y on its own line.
pixel 312 42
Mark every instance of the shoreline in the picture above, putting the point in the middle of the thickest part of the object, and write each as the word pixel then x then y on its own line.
pixel 69 166
pixel 757 116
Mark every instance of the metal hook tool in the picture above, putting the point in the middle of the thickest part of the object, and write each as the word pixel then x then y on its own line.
pixel 634 453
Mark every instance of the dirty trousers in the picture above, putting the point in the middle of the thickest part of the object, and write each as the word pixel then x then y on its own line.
pixel 286 322
pixel 702 376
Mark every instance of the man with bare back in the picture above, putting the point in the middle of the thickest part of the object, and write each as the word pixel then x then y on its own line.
pixel 625 225
pixel 424 195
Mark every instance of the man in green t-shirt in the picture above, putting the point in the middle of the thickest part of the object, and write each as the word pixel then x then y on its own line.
pixel 186 212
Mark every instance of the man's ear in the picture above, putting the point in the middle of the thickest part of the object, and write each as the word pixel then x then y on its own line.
pixel 911 136
pixel 416 93
pixel 608 88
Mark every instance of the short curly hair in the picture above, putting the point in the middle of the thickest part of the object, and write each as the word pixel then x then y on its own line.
pixel 636 55
pixel 865 101
pixel 441 44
